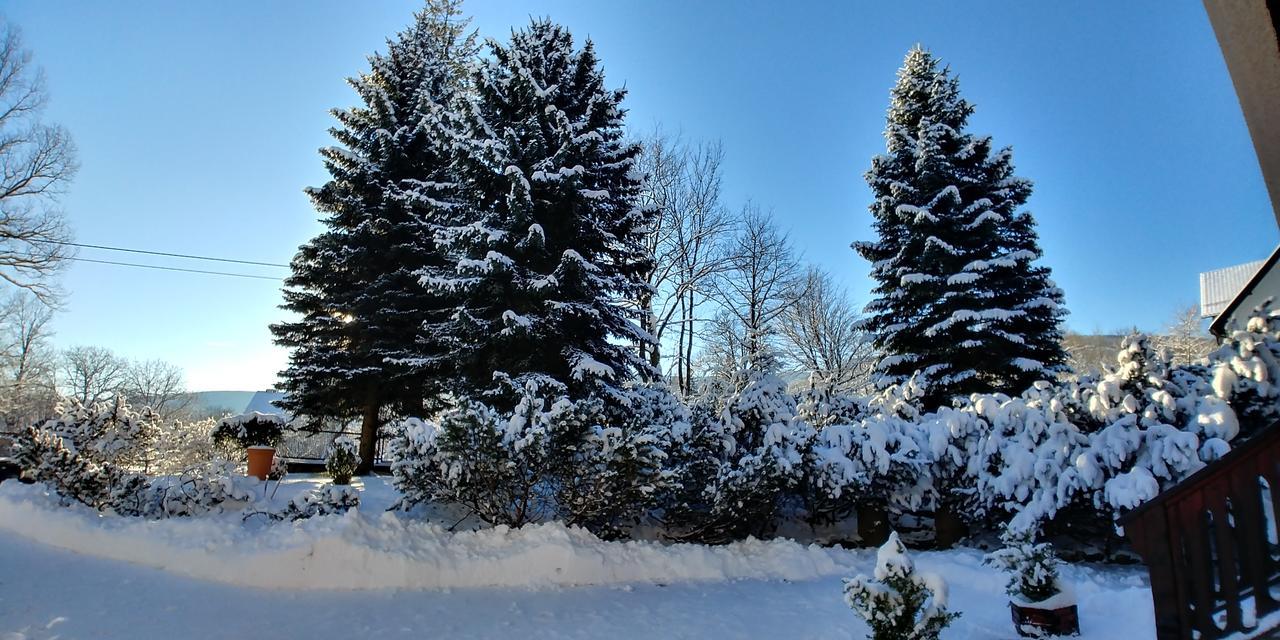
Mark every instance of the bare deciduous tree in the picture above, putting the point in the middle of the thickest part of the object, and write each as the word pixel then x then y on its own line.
pixel 91 374
pixel 820 334
pixel 37 160
pixel 26 363
pixel 683 187
pixel 159 385
pixel 1185 339
pixel 762 277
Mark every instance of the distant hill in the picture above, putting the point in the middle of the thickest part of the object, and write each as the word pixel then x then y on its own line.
pixel 1091 352
pixel 217 402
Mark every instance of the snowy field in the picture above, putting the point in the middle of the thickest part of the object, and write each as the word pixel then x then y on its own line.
pixel 394 576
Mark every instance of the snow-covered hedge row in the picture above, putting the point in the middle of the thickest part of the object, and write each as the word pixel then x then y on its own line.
pixel 727 468
pixel 550 458
pixel 99 455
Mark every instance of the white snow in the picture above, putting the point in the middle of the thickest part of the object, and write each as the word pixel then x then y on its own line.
pixel 391 576
pixel 373 549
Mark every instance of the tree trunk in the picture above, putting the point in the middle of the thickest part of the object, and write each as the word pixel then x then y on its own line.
pixel 948 527
pixel 873 523
pixel 368 438
pixel 688 311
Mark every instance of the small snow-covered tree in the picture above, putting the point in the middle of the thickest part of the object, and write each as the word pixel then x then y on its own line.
pixel 546 251
pixel 959 296
pixel 330 499
pixel 898 603
pixel 1032 567
pixel 341 460
pixel 107 432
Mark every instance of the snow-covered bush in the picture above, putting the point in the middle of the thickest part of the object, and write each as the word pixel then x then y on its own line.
pixel 1245 373
pixel 45 457
pixel 745 463
pixel 341 460
pixel 821 404
pixel 198 490
pixel 327 500
pixel 1032 567
pixel 549 458
pixel 234 434
pixel 110 432
pixel 179 446
pixel 899 603
pixel 617 475
pixel 879 462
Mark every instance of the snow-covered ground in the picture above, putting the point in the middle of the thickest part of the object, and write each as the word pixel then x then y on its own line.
pixel 374 573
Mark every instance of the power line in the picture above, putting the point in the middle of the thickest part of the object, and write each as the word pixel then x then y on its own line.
pixel 163 268
pixel 162 253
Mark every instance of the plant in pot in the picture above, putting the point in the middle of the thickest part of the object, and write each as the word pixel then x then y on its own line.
pixel 1041 604
pixel 341 460
pixel 257 434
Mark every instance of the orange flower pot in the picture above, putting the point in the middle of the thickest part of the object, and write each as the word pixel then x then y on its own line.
pixel 260 461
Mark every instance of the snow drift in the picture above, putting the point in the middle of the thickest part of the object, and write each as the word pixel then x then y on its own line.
pixel 384 550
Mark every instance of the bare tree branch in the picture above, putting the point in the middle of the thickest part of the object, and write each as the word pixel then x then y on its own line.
pixel 91 374
pixel 37 161
pixel 821 336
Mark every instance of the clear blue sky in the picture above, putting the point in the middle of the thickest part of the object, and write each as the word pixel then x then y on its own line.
pixel 198 123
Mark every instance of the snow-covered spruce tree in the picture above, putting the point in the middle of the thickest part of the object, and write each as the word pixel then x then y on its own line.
pixel 959 296
pixel 898 603
pixel 547 249
pixel 357 344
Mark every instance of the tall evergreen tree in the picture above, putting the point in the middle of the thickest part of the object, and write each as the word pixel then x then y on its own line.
pixel 357 347
pixel 959 295
pixel 548 245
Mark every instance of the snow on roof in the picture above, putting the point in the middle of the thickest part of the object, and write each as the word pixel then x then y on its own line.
pixel 1219 287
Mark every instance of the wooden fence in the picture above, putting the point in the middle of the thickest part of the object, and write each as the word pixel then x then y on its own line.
pixel 1210 544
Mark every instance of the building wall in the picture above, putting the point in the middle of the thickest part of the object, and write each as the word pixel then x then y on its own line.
pixel 1246 31
pixel 1267 287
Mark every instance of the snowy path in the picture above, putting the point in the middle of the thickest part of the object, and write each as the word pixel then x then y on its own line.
pixel 114 600
pixel 379 575
pixel 107 599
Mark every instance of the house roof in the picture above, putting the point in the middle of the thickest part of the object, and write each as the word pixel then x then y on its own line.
pixel 1260 271
pixel 1220 286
